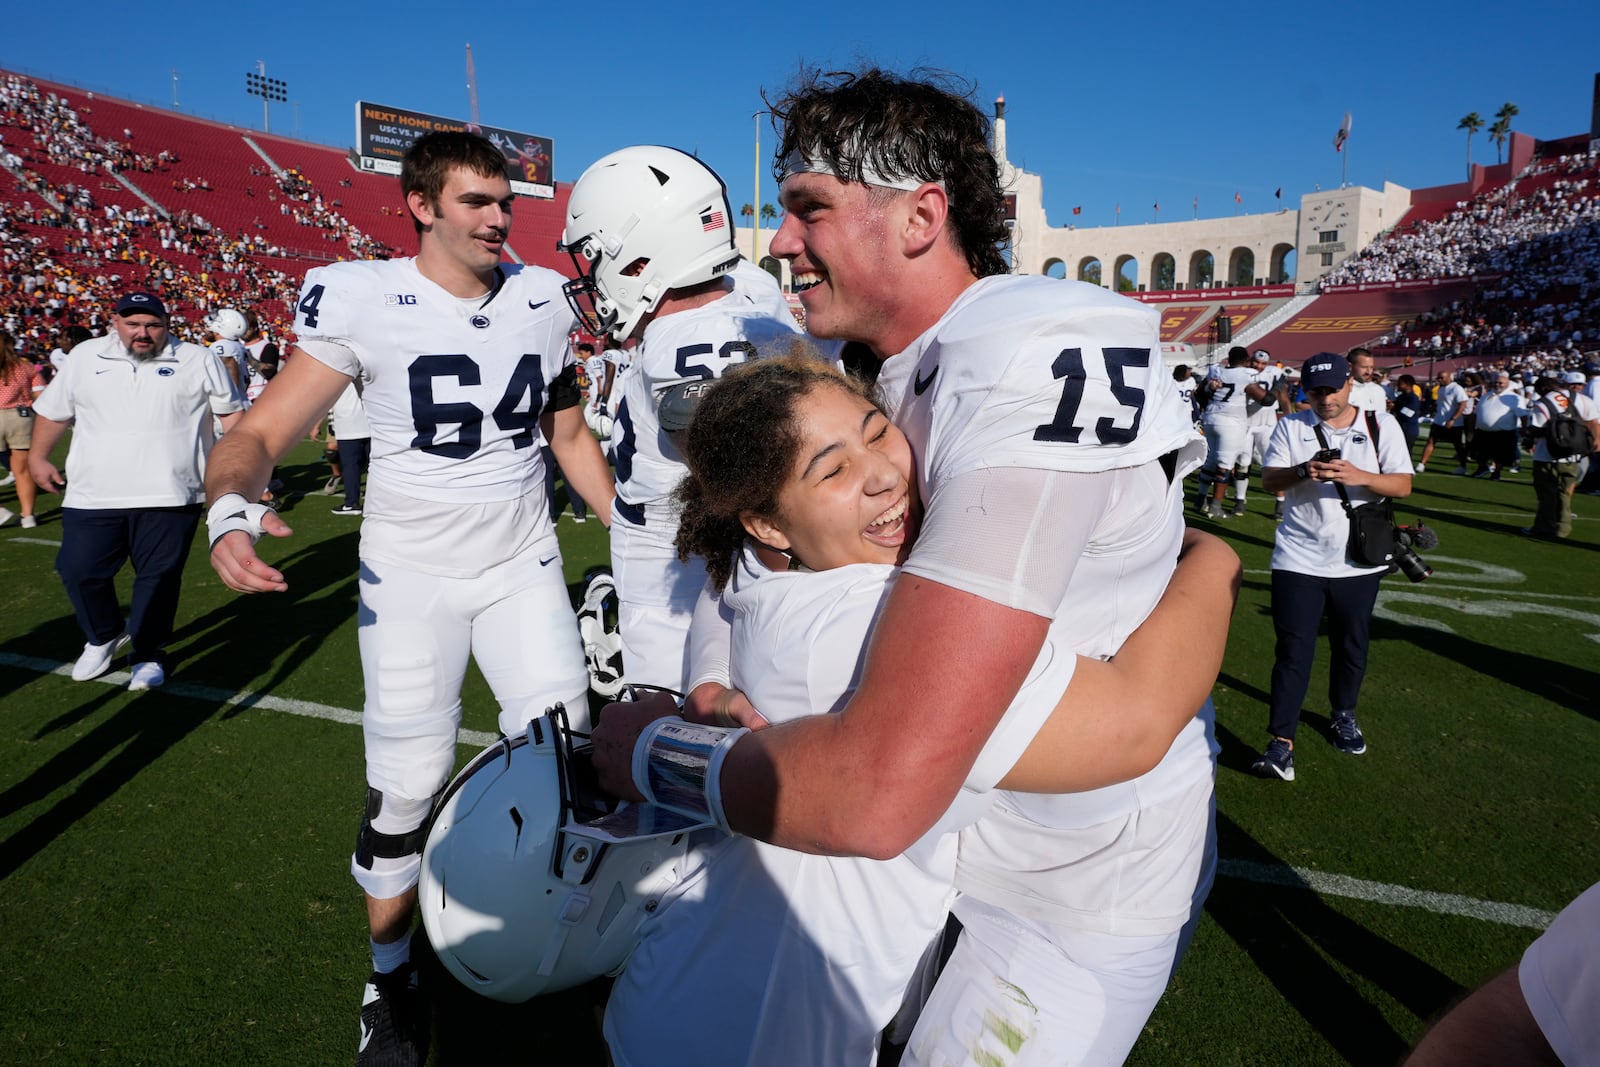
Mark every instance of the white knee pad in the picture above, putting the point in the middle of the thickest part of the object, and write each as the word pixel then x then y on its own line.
pixel 388 856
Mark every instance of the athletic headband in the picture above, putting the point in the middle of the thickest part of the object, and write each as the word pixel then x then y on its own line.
pixel 796 162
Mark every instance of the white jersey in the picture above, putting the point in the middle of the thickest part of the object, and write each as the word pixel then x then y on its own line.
pixel 1228 399
pixel 235 353
pixel 453 390
pixel 1041 374
pixel 697 344
pixel 594 368
pixel 1265 412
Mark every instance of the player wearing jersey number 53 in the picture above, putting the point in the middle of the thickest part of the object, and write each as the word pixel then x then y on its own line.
pixel 461 362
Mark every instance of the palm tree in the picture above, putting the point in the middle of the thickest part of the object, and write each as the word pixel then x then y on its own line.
pixel 1503 117
pixel 746 211
pixel 1472 122
pixel 768 212
pixel 1499 133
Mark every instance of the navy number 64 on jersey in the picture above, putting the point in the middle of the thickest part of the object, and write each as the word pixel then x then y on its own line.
pixel 526 386
pixel 1079 404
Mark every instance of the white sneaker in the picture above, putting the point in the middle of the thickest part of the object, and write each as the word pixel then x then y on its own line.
pixel 1421 467
pixel 29 522
pixel 9 479
pixel 6 515
pixel 94 660
pixel 147 676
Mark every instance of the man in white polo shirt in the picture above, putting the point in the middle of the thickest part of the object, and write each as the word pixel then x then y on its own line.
pixel 141 404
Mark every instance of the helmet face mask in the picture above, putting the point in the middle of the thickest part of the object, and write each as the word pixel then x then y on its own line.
pixel 641 222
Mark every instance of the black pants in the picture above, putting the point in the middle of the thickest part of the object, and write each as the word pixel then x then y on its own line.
pixel 353 455
pixel 1299 602
pixel 95 543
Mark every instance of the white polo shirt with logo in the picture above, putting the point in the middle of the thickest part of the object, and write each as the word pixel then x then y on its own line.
pixel 141 427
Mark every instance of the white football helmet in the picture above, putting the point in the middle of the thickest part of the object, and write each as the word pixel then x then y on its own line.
pixel 601 633
pixel 641 221
pixel 598 421
pixel 515 898
pixel 227 324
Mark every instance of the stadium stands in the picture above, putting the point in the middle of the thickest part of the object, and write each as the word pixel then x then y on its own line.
pixel 98 195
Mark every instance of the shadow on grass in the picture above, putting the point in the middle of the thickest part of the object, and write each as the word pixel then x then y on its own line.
pixel 1311 953
pixel 468 1029
pixel 113 752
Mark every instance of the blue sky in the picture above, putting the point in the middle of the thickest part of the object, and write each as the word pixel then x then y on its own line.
pixel 1111 103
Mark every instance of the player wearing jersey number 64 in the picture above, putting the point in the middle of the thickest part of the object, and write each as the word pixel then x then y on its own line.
pixel 461 361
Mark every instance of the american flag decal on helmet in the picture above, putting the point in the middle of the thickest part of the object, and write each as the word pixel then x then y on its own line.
pixel 711 220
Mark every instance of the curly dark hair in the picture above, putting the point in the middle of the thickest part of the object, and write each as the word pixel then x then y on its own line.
pixel 924 126
pixel 740 449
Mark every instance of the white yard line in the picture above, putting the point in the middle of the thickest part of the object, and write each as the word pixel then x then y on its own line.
pixel 228 697
pixel 1334 885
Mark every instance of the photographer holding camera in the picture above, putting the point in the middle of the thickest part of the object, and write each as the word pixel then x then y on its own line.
pixel 1322 459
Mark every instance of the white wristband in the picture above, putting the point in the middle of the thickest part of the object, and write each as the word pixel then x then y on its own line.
pixel 233 512
pixel 678 765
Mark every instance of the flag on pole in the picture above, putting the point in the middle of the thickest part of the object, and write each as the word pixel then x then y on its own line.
pixel 1237 199
pixel 1078 210
pixel 1343 135
pixel 1279 194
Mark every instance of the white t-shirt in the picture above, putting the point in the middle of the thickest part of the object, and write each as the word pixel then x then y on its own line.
pixel 1369 395
pixel 700 343
pixel 1450 405
pixel 810 954
pixel 1228 398
pixel 1315 533
pixel 1560 980
pixel 141 427
pixel 1498 412
pixel 453 390
pixel 348 417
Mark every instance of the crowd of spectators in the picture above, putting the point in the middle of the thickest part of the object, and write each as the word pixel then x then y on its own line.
pixel 67 249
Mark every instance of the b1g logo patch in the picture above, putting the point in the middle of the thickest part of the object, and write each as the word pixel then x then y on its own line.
pixel 398 299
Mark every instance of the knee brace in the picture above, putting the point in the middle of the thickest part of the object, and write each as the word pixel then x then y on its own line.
pixel 388 856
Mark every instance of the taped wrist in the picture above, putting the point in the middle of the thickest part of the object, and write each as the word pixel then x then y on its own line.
pixel 678 765
pixel 233 512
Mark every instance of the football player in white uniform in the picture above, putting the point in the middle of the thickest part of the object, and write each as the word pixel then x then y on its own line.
pixel 462 361
pixel 598 370
pixel 1226 421
pixel 651 233
pixel 811 954
pixel 224 328
pixel 1049 439
pixel 1264 414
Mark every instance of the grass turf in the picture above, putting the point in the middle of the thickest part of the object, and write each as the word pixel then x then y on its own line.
pixel 175 871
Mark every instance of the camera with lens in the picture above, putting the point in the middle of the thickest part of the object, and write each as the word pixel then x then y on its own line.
pixel 1326 455
pixel 1407 540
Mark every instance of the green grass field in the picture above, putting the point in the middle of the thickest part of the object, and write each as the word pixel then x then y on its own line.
pixel 174 882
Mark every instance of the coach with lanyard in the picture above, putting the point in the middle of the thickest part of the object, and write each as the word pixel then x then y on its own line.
pixel 1312 573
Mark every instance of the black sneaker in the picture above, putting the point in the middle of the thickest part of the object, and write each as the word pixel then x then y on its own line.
pixel 394 1021
pixel 1347 735
pixel 1277 511
pixel 1276 761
